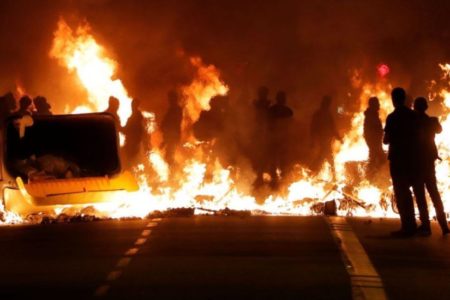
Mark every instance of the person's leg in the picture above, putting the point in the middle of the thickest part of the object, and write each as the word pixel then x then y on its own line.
pixel 419 193
pixel 404 198
pixel 431 184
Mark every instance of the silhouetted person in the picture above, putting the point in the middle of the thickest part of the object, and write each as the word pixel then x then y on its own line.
pixel 24 106
pixel 113 109
pixel 373 135
pixel 260 144
pixel 42 106
pixel 400 133
pixel 7 106
pixel 171 127
pixel 136 137
pixel 428 128
pixel 210 123
pixel 323 133
pixel 280 117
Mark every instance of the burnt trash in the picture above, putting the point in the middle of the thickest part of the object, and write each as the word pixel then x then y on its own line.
pixel 328 208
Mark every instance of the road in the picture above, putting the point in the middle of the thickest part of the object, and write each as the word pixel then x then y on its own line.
pixel 210 257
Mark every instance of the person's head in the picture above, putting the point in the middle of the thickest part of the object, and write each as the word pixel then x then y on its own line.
pixel 263 92
pixel 398 95
pixel 172 95
pixel 374 104
pixel 420 104
pixel 24 103
pixel 281 98
pixel 326 102
pixel 113 104
pixel 41 104
pixel 135 104
pixel 9 102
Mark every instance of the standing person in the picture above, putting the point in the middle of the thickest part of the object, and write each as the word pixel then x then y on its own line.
pixel 7 106
pixel 113 109
pixel 428 128
pixel 323 133
pixel 24 107
pixel 42 106
pixel 261 118
pixel 136 138
pixel 171 127
pixel 400 134
pixel 373 135
pixel 280 118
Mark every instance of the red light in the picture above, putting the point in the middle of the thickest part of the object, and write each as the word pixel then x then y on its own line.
pixel 383 70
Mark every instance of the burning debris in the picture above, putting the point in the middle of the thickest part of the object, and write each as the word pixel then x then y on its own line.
pixel 215 158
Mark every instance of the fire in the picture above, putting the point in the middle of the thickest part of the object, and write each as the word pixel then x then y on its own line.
pixel 206 185
pixel 79 52
pixel 200 91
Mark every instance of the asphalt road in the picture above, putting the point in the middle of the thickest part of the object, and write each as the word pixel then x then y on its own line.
pixel 206 257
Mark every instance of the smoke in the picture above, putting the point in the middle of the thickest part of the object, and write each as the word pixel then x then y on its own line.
pixel 305 48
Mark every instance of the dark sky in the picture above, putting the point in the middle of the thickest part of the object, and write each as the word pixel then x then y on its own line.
pixel 304 47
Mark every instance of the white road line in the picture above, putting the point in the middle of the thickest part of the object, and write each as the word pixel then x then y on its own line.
pixel 146 232
pixel 365 281
pixel 140 241
pixel 113 275
pixel 131 251
pixel 101 290
pixel 125 260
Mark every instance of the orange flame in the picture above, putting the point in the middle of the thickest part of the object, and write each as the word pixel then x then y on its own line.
pixel 78 51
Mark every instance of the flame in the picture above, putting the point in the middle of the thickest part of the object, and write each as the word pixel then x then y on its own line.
pixel 203 183
pixel 198 94
pixel 79 52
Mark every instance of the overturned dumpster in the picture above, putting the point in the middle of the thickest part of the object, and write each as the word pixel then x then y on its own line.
pixel 60 161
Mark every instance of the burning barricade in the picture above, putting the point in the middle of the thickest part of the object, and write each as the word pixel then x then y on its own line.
pixel 60 163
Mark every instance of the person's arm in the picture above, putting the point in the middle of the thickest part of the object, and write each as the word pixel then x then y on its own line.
pixel 387 130
pixel 437 127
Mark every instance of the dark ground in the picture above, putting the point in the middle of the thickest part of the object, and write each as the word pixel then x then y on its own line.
pixel 213 258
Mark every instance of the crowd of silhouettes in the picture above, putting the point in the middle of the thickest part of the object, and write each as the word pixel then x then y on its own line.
pixel 24 106
pixel 408 132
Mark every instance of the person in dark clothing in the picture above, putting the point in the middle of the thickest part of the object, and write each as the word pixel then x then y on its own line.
pixel 113 109
pixel 323 133
pixel 373 135
pixel 171 127
pixel 428 128
pixel 24 107
pixel 136 138
pixel 42 106
pixel 400 134
pixel 280 118
pixel 7 106
pixel 261 119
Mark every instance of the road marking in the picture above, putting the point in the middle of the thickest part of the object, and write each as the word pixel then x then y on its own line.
pixel 140 241
pixel 101 290
pixel 113 275
pixel 365 281
pixel 125 260
pixel 131 251
pixel 146 232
